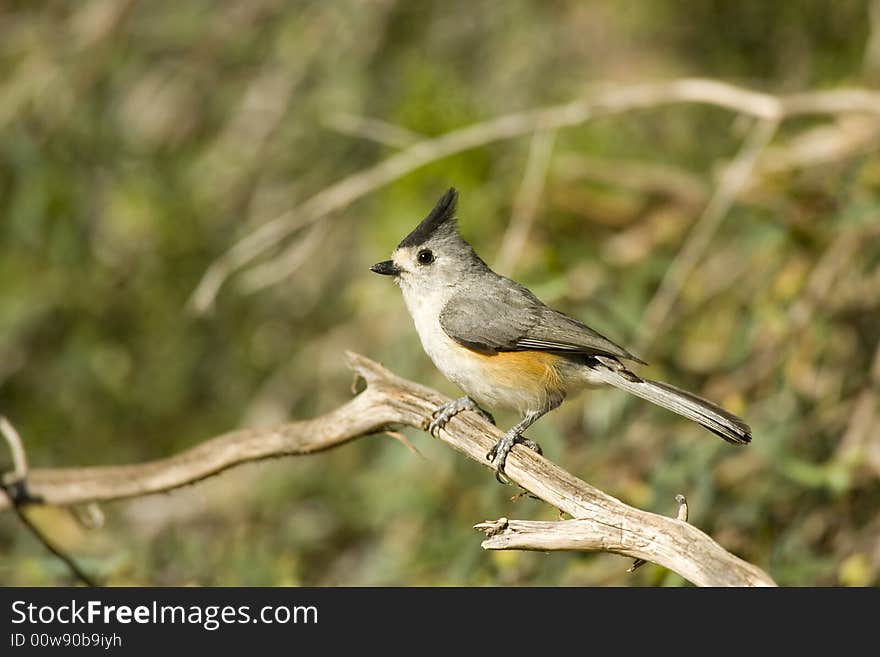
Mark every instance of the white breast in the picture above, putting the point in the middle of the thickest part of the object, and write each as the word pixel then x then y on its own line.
pixel 443 350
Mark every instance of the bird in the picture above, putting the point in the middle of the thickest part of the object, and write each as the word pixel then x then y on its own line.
pixel 506 349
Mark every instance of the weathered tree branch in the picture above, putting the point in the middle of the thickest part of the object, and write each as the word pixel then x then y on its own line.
pixel 682 547
pixel 679 546
pixel 390 401
pixel 682 515
pixel 602 101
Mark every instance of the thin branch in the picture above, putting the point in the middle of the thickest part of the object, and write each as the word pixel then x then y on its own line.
pixel 364 127
pixel 88 516
pixel 406 442
pixel 16 449
pixel 734 179
pixel 860 443
pixel 602 102
pixel 819 288
pixel 68 561
pixel 844 138
pixel 525 205
pixel 14 485
pixel 387 402
pixel 643 177
pixel 286 264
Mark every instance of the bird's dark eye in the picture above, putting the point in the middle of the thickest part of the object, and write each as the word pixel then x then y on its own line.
pixel 425 257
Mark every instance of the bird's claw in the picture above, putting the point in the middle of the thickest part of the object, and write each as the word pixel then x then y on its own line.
pixel 440 417
pixel 442 414
pixel 497 455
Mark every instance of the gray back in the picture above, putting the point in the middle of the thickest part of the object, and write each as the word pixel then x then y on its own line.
pixel 492 313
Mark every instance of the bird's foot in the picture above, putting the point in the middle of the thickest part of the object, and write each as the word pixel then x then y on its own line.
pixel 449 410
pixel 498 454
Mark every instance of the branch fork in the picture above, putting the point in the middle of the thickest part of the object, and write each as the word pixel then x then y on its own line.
pixel 599 520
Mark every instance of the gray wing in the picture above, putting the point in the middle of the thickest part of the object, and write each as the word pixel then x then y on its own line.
pixel 510 318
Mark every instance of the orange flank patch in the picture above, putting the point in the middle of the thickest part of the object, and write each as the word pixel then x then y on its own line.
pixel 523 369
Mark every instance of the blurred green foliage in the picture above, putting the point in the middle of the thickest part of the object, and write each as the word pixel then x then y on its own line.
pixel 140 140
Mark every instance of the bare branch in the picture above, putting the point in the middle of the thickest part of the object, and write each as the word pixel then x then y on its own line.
pixel 733 181
pixel 363 415
pixel 17 495
pixel 406 442
pixel 364 127
pixel 819 288
pixel 848 136
pixel 679 546
pixel 644 177
pixel 389 401
pixel 601 102
pixel 16 450
pixel 288 262
pixel 860 443
pixel 525 205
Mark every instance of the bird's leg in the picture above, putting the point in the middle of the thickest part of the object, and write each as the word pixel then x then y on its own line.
pixel 498 454
pixel 499 451
pixel 450 409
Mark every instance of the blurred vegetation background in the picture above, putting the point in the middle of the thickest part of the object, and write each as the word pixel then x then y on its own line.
pixel 139 141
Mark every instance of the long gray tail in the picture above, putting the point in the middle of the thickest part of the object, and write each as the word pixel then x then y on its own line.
pixel 726 425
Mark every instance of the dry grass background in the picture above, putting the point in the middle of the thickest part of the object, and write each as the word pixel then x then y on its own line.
pixel 141 142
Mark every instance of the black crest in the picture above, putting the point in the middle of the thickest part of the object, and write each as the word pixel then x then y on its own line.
pixel 442 214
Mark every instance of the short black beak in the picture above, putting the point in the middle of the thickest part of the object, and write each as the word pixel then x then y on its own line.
pixel 386 268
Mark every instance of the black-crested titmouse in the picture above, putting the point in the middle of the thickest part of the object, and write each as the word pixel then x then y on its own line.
pixel 500 344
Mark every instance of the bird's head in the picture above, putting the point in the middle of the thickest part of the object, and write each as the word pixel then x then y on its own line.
pixel 434 255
